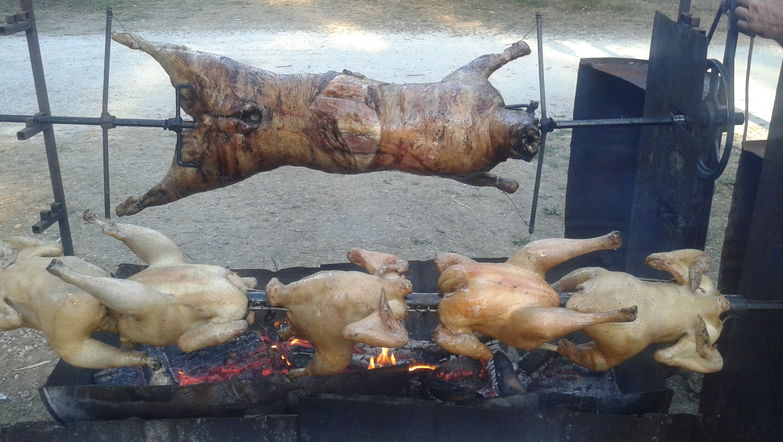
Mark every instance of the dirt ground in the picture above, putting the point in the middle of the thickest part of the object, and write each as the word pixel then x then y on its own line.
pixel 290 216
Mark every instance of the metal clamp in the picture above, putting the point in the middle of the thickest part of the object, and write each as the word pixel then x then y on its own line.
pixel 176 124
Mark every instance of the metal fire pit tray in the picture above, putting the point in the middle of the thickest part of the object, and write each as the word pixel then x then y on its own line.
pixel 71 394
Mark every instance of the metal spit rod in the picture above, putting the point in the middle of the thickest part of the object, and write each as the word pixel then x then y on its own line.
pixel 91 121
pixel 257 299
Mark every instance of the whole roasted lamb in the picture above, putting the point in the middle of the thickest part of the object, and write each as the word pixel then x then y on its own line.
pixel 249 120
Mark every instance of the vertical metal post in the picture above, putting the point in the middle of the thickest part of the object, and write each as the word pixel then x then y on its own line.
pixel 105 117
pixel 540 166
pixel 48 133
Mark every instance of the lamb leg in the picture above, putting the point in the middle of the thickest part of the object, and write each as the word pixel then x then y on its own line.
pixel 486 65
pixel 489 180
pixel 149 245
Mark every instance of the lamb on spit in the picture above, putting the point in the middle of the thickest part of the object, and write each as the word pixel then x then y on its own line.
pixel 685 312
pixel 249 120
pixel 511 301
pixel 336 309
pixel 170 302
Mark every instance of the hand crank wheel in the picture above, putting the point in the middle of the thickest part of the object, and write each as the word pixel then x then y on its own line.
pixel 717 118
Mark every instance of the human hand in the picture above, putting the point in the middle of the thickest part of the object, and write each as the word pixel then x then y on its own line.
pixel 761 17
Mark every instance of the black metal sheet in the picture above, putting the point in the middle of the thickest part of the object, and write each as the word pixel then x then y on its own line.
pixel 671 203
pixel 602 163
pixel 330 419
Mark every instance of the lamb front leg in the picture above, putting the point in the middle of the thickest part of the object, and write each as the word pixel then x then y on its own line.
pixel 541 255
pixel 123 295
pixel 149 245
pixel 489 180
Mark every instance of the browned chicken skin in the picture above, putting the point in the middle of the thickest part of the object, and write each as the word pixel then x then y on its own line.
pixel 685 313
pixel 336 309
pixel 249 120
pixel 511 301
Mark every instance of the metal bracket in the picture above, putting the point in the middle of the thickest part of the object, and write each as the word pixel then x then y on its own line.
pixel 32 128
pixel 49 217
pixel 15 23
pixel 176 124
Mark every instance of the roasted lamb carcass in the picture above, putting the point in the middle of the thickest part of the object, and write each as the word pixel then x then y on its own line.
pixel 336 309
pixel 65 314
pixel 685 313
pixel 170 302
pixel 249 120
pixel 511 301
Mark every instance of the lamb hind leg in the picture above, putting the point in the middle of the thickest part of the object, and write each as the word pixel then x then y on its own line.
pixel 149 245
pixel 540 256
pixel 488 64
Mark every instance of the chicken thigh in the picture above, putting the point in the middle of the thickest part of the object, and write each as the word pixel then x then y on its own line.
pixel 511 301
pixel 65 314
pixel 685 312
pixel 336 309
pixel 170 302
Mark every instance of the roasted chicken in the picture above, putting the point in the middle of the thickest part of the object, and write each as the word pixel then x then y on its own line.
pixel 511 301
pixel 685 313
pixel 65 314
pixel 336 309
pixel 170 302
pixel 249 120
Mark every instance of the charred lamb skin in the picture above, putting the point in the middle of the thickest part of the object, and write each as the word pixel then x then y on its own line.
pixel 684 313
pixel 336 309
pixel 249 120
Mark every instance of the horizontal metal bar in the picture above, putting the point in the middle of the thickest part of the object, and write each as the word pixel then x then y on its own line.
pixel 615 122
pixel 89 121
pixel 257 299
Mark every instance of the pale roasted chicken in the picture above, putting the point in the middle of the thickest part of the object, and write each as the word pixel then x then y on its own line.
pixel 65 314
pixel 684 313
pixel 249 120
pixel 511 301
pixel 336 309
pixel 171 302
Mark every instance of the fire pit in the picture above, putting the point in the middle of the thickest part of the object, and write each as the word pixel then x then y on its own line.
pixel 247 375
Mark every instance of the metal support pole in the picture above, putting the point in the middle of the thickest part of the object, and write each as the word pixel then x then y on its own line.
pixel 544 120
pixel 48 132
pixel 106 118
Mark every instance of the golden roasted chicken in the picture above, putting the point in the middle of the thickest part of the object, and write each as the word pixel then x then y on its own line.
pixel 684 313
pixel 336 309
pixel 511 301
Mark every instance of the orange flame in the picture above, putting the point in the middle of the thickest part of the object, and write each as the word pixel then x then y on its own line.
pixel 384 359
pixel 422 367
